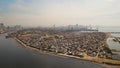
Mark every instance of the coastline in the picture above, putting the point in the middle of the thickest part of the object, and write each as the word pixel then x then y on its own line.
pixel 108 35
pixel 86 58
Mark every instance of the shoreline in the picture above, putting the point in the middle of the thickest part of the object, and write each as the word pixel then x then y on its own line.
pixel 86 58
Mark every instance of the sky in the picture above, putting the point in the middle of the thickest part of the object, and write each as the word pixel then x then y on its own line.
pixel 60 12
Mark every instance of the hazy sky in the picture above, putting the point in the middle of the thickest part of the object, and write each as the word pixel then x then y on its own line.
pixel 60 12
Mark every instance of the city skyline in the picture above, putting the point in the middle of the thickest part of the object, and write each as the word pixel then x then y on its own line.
pixel 60 12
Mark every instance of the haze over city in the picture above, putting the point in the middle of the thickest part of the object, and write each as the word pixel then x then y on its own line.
pixel 60 12
pixel 59 33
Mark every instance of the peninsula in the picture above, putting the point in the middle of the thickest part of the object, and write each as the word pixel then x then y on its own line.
pixel 90 46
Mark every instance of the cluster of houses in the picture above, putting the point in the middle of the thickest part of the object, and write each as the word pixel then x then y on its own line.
pixel 69 43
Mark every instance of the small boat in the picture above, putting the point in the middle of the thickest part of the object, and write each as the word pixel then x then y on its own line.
pixel 115 40
pixel 119 41
pixel 7 36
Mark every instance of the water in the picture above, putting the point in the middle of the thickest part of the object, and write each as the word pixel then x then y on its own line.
pixel 13 55
pixel 109 29
pixel 116 35
pixel 113 45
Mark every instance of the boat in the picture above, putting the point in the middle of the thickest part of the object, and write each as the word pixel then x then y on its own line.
pixel 115 40
pixel 7 36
